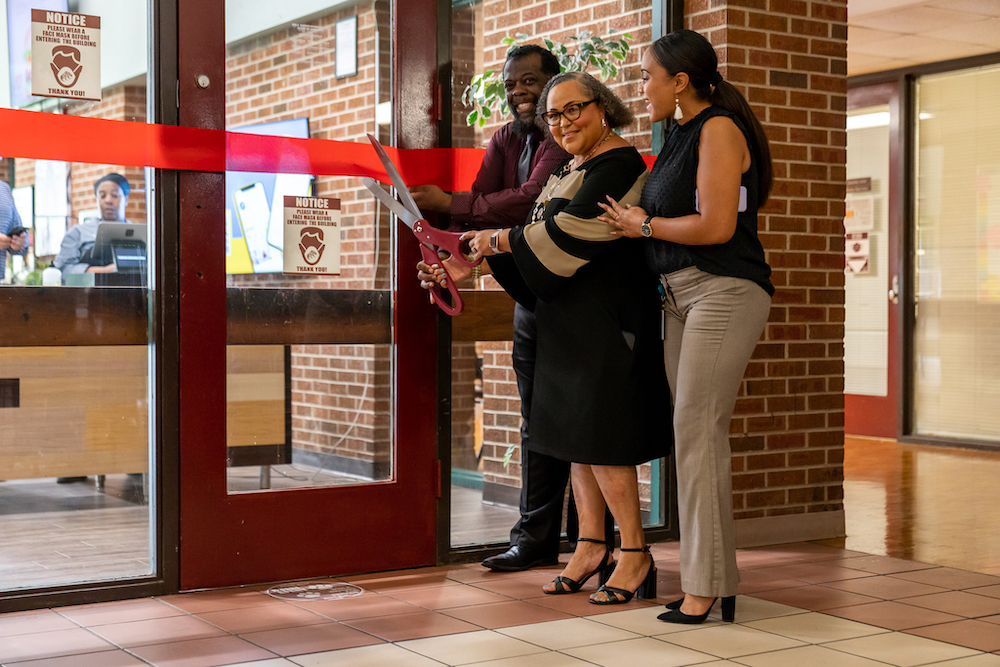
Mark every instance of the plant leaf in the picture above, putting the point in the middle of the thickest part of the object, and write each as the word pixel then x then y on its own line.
pixel 472 118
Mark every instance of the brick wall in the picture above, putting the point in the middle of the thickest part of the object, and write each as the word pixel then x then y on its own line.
pixel 789 58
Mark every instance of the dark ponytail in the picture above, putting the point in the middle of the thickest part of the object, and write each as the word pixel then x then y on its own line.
pixel 687 51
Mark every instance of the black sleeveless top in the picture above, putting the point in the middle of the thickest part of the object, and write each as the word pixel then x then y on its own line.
pixel 670 192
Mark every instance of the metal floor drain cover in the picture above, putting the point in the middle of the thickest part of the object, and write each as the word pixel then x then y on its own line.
pixel 317 590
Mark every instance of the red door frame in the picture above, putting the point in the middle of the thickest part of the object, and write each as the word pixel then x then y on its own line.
pixel 877 416
pixel 228 540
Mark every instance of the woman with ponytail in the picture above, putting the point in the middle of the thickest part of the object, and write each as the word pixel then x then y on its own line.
pixel 698 210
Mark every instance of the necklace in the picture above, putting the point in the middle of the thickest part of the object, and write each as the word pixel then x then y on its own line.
pixel 594 150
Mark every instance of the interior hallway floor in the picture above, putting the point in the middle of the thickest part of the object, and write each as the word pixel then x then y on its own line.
pixel 889 594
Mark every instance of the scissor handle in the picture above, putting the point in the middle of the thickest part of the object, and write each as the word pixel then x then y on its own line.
pixel 449 241
pixel 456 306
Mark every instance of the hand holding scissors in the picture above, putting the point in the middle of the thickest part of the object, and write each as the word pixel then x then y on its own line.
pixel 431 239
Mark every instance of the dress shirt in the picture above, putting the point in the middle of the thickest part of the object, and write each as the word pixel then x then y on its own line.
pixel 497 199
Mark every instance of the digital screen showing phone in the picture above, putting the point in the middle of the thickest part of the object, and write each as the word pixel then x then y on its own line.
pixel 254 213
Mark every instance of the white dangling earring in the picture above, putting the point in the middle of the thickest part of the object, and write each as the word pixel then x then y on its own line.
pixel 678 112
pixel 604 121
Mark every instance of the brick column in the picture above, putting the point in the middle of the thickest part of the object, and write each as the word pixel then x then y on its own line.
pixel 789 58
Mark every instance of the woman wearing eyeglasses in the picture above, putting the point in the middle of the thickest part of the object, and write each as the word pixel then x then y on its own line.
pixel 600 385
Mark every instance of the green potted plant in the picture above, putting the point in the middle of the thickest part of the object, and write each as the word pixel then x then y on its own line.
pixel 485 93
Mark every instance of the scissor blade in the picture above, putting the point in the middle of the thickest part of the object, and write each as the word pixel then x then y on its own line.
pixel 393 205
pixel 394 176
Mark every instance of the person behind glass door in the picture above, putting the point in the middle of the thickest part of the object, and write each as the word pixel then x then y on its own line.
pixel 77 253
pixel 699 211
pixel 14 243
pixel 519 159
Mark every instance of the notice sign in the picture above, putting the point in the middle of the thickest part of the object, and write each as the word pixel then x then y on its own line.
pixel 312 235
pixel 860 214
pixel 65 55
pixel 857 254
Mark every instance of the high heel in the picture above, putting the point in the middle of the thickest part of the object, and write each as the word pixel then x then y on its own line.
pixel 675 615
pixel 565 585
pixel 645 591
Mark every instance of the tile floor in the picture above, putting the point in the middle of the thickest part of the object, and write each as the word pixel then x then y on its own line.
pixel 802 604
pixel 866 600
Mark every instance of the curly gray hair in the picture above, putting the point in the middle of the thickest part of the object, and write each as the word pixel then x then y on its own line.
pixel 615 111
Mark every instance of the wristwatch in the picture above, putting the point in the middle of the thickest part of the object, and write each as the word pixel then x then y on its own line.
pixel 494 241
pixel 646 230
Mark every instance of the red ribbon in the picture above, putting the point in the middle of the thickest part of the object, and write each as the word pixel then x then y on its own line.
pixel 48 136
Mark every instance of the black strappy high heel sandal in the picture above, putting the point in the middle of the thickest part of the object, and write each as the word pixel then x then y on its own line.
pixel 675 615
pixel 565 585
pixel 645 591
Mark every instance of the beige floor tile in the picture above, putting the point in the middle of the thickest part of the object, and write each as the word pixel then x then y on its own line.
pixel 730 641
pixel 274 662
pixel 569 633
pixel 102 659
pixel 813 656
pixel 981 660
pixel 379 655
pixel 550 659
pixel 755 609
pixel 50 645
pixel 470 647
pixel 814 628
pixel 646 651
pixel 644 622
pixel 902 650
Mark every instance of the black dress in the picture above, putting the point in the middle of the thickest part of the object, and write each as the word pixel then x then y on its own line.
pixel 600 386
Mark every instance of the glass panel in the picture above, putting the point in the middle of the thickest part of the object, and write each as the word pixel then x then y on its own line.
pixel 76 402
pixel 308 406
pixel 486 415
pixel 866 329
pixel 957 336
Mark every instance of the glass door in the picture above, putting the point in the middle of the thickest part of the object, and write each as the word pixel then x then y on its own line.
pixel 78 267
pixel 872 280
pixel 307 429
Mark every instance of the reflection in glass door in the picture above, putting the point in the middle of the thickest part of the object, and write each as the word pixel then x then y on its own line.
pixel 309 406
pixel 76 374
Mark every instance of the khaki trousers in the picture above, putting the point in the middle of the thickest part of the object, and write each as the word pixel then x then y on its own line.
pixel 713 324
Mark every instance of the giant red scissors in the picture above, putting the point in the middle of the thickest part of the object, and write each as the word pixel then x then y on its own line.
pixel 431 239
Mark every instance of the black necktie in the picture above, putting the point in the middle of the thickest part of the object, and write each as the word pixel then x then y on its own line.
pixel 524 162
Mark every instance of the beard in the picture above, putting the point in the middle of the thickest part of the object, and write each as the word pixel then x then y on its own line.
pixel 523 126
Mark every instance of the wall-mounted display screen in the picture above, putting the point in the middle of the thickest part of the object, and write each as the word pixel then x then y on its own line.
pixel 254 211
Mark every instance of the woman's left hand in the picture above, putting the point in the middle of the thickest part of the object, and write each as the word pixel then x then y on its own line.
pixel 479 242
pixel 627 219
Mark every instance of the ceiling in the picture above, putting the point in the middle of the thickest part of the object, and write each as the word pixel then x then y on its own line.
pixel 887 34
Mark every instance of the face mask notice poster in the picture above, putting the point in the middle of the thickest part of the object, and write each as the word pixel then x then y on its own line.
pixel 65 55
pixel 312 235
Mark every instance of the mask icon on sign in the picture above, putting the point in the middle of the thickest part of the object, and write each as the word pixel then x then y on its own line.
pixel 311 245
pixel 66 65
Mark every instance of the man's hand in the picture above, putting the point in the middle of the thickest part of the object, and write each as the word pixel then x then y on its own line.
pixel 431 198
pixel 18 242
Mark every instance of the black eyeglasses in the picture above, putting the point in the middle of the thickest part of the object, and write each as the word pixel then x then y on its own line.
pixel 571 112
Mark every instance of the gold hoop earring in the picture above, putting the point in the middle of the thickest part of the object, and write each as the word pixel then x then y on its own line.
pixel 678 112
